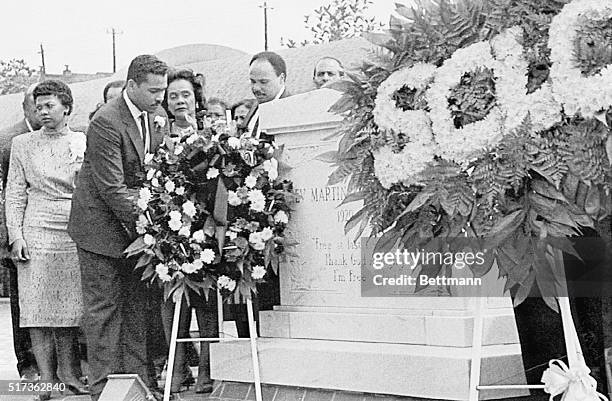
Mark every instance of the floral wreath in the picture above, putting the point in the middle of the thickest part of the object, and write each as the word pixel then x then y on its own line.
pixel 577 93
pixel 405 167
pixel 461 144
pixel 414 123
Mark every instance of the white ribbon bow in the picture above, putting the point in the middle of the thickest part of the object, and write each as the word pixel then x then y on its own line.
pixel 574 383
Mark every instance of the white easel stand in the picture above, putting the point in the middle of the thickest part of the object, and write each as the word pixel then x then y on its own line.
pixel 174 340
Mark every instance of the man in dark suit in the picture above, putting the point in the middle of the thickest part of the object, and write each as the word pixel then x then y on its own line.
pixel 26 363
pixel 268 73
pixel 102 223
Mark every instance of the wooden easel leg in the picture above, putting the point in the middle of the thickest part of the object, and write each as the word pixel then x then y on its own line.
pixel 172 351
pixel 477 348
pixel 254 355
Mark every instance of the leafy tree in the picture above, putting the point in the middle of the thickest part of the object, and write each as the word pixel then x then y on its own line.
pixel 16 76
pixel 340 19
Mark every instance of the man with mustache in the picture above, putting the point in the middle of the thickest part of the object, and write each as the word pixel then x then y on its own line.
pixel 268 73
pixel 102 224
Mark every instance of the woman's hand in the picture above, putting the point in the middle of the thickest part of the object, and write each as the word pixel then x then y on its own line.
pixel 19 251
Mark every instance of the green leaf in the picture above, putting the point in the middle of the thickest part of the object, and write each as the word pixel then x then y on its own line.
pixel 418 201
pixel 353 197
pixel 379 39
pixel 507 224
pixel 144 260
pixel 136 247
pixel 524 289
pixel 387 241
pixel 355 219
pixel 328 157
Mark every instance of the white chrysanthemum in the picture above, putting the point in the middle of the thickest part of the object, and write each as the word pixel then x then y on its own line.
pixel 170 187
pixel 141 224
pixel 413 123
pixel 233 142
pixel 231 235
pixel 250 181
pixel 189 208
pixel 462 144
pixel 233 199
pixel 391 168
pixel 148 158
pixel 255 195
pixel 155 182
pixel 511 89
pixel 198 236
pixel 191 139
pixel 175 215
pixel 180 190
pixel 207 256
pixel 190 268
pixel 212 173
pixel 227 283
pixel 145 194
pixel 281 217
pixel 178 149
pixel 162 272
pixel 577 93
pixel 185 231
pixel 258 272
pixel 142 204
pixel 257 206
pixel 175 225
pixel 267 234
pixel 149 239
pixel 150 173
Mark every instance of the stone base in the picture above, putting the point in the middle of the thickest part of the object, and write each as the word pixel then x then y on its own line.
pixel 375 368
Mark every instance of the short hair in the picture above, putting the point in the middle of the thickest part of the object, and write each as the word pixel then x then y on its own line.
pixel 112 84
pixel 189 76
pixel 143 65
pixel 53 87
pixel 248 103
pixel 274 59
pixel 314 71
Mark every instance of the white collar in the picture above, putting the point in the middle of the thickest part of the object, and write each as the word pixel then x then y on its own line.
pixel 29 125
pixel 280 93
pixel 135 111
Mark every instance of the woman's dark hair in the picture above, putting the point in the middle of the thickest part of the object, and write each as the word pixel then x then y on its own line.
pixel 248 103
pixel 189 76
pixel 112 84
pixel 53 87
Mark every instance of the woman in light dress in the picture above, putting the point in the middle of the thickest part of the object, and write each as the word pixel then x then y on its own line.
pixel 41 178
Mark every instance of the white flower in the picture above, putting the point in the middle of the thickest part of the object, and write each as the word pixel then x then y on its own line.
pixel 170 187
pixel 414 123
pixel 224 282
pixel 198 236
pixel 207 256
pixel 178 149
pixel 233 142
pixel 175 225
pixel 158 174
pixel 148 158
pixel 142 223
pixel 231 235
pixel 155 182
pixel 175 215
pixel 577 93
pixel 185 231
pixel 267 233
pixel 256 241
pixel 150 174
pixel 250 181
pixel 145 194
pixel 254 141
pixel 256 196
pixel 281 217
pixel 142 204
pixel 189 209
pixel 77 146
pixel 258 272
pixel 180 190
pixel 391 168
pixel 212 173
pixel 189 268
pixel 149 239
pixel 160 121
pixel 233 199
pixel 462 144
pixel 162 272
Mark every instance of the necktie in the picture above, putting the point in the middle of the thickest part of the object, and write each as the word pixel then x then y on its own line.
pixel 145 131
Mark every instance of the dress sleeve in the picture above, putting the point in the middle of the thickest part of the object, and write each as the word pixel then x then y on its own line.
pixel 16 197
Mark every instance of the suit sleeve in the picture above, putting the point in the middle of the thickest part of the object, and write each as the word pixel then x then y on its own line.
pixel 104 152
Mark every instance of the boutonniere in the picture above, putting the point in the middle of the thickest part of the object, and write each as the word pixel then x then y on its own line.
pixel 159 121
pixel 77 147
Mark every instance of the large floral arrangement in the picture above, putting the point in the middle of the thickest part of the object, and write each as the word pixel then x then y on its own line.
pixel 486 119
pixel 211 213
